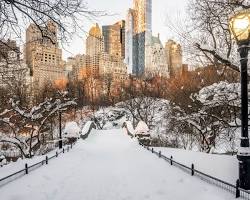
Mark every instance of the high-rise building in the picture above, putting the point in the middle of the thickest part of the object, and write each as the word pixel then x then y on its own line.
pixel 114 39
pixel 12 69
pixel 94 48
pixel 76 67
pixel 112 66
pixel 138 36
pixel 174 57
pixel 157 59
pixel 94 42
pixel 43 55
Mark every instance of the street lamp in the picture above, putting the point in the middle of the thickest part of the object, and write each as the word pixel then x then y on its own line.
pixel 240 28
pixel 60 130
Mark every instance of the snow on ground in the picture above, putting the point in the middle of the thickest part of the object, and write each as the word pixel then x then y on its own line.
pixel 20 164
pixel 224 167
pixel 71 130
pixel 110 166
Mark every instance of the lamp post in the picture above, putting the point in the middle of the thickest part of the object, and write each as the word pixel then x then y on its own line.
pixel 60 130
pixel 240 28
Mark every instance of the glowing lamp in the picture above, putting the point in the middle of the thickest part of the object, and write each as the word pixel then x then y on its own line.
pixel 240 26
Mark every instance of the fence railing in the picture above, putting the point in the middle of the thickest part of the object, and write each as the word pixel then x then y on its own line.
pixel 29 168
pixel 234 189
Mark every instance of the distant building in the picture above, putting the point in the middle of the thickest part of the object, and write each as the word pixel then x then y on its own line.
pixel 145 55
pixel 76 67
pixel 113 67
pixel 43 55
pixel 114 39
pixel 138 36
pixel 105 51
pixel 157 58
pixel 12 69
pixel 174 57
pixel 94 42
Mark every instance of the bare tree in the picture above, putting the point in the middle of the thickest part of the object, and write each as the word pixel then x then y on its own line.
pixel 206 36
pixel 32 122
pixel 66 14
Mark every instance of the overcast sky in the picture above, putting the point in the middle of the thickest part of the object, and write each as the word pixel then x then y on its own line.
pixel 162 9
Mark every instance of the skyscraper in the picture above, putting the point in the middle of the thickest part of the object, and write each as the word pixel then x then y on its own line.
pixel 42 53
pixel 174 57
pixel 138 36
pixel 94 42
pixel 114 39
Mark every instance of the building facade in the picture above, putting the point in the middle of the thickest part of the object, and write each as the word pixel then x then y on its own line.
pixel 12 69
pixel 43 55
pixel 158 61
pixel 112 66
pixel 114 39
pixel 138 36
pixel 174 57
pixel 94 42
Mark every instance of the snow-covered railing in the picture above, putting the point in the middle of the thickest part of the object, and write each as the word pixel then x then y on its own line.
pixel 27 169
pixel 129 128
pixel 234 189
pixel 87 129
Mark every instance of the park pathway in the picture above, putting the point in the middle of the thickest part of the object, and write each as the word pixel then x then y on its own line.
pixel 109 165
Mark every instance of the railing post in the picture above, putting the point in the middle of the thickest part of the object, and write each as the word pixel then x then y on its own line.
pixel 152 150
pixel 192 169
pixel 46 160
pixel 63 150
pixel 237 194
pixel 56 154
pixel 26 168
pixel 159 154
pixel 171 160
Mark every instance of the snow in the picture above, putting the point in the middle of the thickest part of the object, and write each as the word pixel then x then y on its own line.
pixel 142 128
pixel 219 93
pixel 86 128
pixel 130 127
pixel 244 151
pixel 3 161
pixel 109 165
pixel 224 167
pixel 71 130
pixel 20 164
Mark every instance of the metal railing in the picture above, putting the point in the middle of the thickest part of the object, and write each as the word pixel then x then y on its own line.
pixel 234 189
pixel 27 169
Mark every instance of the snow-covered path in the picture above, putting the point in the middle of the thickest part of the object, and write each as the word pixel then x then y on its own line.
pixel 110 166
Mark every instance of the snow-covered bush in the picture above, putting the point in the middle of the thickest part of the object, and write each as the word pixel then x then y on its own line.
pixel 148 109
pixel 213 118
pixel 109 117
pixel 142 132
pixel 29 127
pixel 3 160
pixel 71 130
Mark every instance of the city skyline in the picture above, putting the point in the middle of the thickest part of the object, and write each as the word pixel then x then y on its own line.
pixel 164 9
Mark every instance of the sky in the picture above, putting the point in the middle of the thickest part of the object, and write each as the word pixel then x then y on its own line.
pixel 163 10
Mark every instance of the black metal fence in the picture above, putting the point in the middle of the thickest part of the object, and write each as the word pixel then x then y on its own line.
pixel 27 169
pixel 234 189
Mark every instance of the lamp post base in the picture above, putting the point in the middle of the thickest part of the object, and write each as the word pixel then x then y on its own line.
pixel 244 171
pixel 60 144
